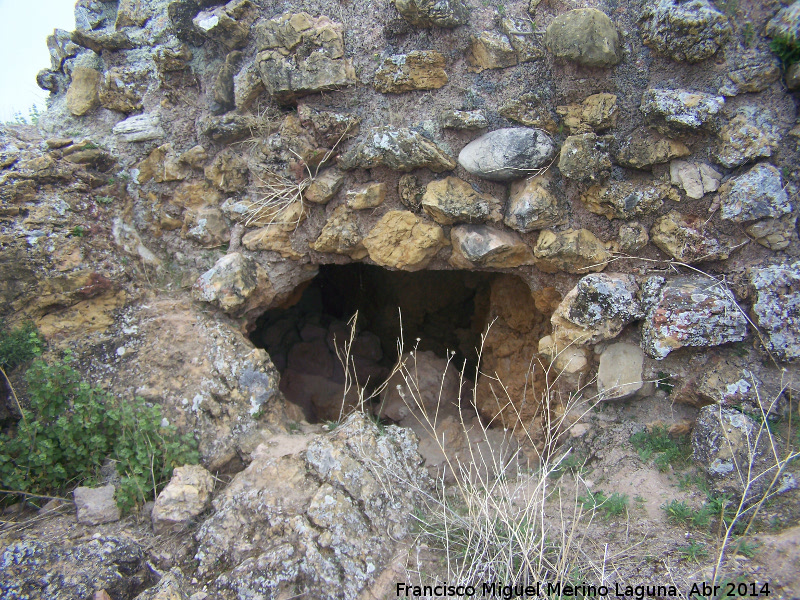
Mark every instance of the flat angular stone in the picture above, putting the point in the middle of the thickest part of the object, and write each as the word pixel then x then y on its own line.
pixel 185 497
pixel 96 505
pixel 645 148
pixel 752 133
pixel 625 199
pixel 689 239
pixel 402 240
pixel 573 251
pixel 696 179
pixel 619 374
pixel 463 119
pixel 140 128
pixel 506 154
pixel 690 31
pixel 585 157
pixel 490 50
pixel 417 70
pixel 677 111
pixel 433 13
pixel 532 206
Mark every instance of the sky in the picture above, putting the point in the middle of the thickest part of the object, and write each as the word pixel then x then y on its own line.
pixel 24 27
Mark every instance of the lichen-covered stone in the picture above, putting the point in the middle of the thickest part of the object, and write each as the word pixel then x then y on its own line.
pixel 752 133
pixel 529 111
pixel 521 35
pixel 777 307
pixel 236 283
pixel 689 239
pixel 506 154
pixel 300 55
pixel 633 237
pixel 645 148
pixel 738 461
pixel 751 72
pixel 103 39
pixel 786 22
pixel 187 494
pixel 247 86
pixel 573 251
pixel 207 227
pixel 453 200
pixel 532 206
pixel 586 36
pixel 696 179
pixel 341 235
pixel 596 309
pixel 595 114
pixel 222 90
pixel 228 25
pixel 676 111
pixel 398 148
pixel 688 311
pixel 490 50
pixel 140 128
pixel 585 157
pixel 433 13
pixel 228 172
pixel 485 246
pixel 690 31
pixel 757 194
pixel 368 195
pixel 463 119
pixel 417 70
pixel 625 199
pixel 402 240
pixel 410 191
pixel 121 90
pixel 775 234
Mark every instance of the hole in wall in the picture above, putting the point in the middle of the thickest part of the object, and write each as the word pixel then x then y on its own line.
pixel 442 311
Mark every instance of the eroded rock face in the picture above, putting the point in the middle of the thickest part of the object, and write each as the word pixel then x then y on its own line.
pixel 397 148
pixel 506 154
pixel 287 72
pixel 430 13
pixel 402 240
pixel 463 119
pixel 453 200
pixel 417 70
pixel 757 194
pixel 777 307
pixel 688 311
pixel 596 309
pixel 315 522
pixel 690 31
pixel 485 246
pixel 228 25
pixel 586 36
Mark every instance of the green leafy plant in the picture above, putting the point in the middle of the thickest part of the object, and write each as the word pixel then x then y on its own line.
pixel 658 443
pixel 786 48
pixel 611 506
pixel 69 430
pixel 19 345
pixel 104 199
pixel 746 548
pixel 78 231
pixel 573 462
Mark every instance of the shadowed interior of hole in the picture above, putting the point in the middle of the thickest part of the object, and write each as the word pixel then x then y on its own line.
pixel 445 310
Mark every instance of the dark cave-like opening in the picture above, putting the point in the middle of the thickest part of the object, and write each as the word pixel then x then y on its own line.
pixel 442 311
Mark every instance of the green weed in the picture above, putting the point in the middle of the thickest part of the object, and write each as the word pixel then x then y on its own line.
pixel 786 48
pixel 78 231
pixel 665 382
pixel 746 548
pixel 573 463
pixel 667 451
pixel 611 506
pixel 70 428
pixel 104 199
pixel 19 345
pixel 694 551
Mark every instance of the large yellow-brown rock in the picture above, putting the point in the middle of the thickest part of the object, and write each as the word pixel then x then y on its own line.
pixel 83 93
pixel 453 200
pixel 402 240
pixel 341 235
pixel 573 251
